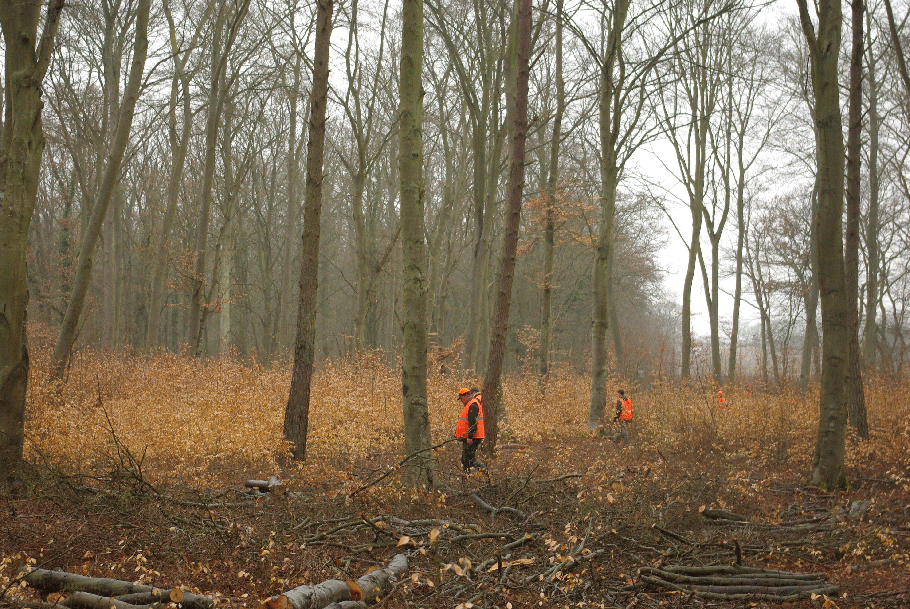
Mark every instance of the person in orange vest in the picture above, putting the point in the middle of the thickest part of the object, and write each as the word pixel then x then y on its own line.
pixel 623 415
pixel 470 426
pixel 721 400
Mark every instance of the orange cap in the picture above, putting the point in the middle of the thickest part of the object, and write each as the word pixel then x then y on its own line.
pixel 463 391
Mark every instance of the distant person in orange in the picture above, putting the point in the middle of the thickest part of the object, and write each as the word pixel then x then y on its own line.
pixel 470 426
pixel 721 400
pixel 623 415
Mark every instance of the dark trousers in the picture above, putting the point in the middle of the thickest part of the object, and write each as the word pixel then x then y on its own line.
pixel 469 453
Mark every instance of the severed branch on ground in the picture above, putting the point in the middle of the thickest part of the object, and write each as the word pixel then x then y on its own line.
pixel 78 591
pixel 732 582
pixel 367 589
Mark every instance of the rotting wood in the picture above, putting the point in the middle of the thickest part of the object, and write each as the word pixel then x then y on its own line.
pixel 107 588
pixel 366 589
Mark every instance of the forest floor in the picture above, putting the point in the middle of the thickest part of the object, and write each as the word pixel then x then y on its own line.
pixel 626 508
pixel 137 471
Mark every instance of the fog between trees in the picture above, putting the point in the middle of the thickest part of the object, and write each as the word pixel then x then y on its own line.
pixel 201 243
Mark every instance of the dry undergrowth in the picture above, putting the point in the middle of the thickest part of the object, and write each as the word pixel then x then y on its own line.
pixel 171 424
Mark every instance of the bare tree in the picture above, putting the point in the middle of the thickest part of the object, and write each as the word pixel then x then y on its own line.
pixel 68 330
pixel 296 414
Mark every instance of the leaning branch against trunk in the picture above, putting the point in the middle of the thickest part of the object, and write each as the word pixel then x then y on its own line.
pixel 91 592
pixel 366 589
pixel 733 582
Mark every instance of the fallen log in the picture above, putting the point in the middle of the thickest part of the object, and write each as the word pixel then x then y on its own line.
pixel 266 486
pixel 126 592
pixel 366 589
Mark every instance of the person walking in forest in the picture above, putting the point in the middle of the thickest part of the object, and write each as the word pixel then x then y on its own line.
pixel 470 426
pixel 623 415
pixel 721 400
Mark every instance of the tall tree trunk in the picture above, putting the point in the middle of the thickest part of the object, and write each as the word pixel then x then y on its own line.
pixel 543 361
pixel 293 206
pixel 856 395
pixel 824 45
pixel 297 411
pixel 21 145
pixel 67 337
pixel 415 413
pixel 810 299
pixel 500 321
pixel 213 118
pixel 602 270
pixel 872 221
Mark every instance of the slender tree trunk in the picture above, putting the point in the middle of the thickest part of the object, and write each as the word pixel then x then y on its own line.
pixel 602 270
pixel 297 411
pixel 491 382
pixel 543 362
pixel 293 206
pixel 21 145
pixel 810 299
pixel 856 395
pixel 67 337
pixel 213 118
pixel 824 45
pixel 420 470
pixel 178 147
pixel 872 221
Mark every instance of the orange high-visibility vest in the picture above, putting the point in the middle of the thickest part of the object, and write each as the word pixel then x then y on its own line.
pixel 461 430
pixel 626 414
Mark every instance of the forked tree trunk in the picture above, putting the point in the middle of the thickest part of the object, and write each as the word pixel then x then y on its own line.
pixel 419 466
pixel 500 320
pixel 297 411
pixel 21 146
pixel 68 330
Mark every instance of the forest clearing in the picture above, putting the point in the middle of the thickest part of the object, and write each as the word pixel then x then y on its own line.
pixel 137 472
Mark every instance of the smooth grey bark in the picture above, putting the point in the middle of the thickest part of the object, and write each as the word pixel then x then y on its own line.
pixel 419 469
pixel 67 337
pixel 296 414
pixel 27 57
pixel 824 44
pixel 855 392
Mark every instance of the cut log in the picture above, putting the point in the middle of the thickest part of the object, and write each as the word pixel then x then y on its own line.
pixel 87 600
pixel 366 589
pixel 175 595
pixel 61 581
pixel 266 486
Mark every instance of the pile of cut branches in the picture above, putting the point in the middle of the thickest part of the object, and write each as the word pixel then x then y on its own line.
pixel 734 582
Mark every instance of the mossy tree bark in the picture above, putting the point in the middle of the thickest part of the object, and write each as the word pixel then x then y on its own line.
pixel 27 57
pixel 419 470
